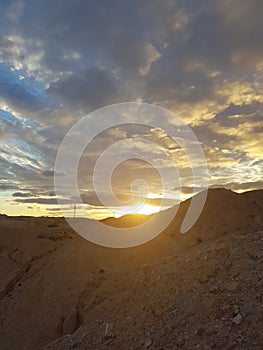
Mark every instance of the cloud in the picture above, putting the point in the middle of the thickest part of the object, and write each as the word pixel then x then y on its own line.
pixel 162 51
pixel 18 92
pixel 21 194
pixel 48 173
pixel 242 187
pixel 89 90
pixel 46 201
pixel 152 55
pixel 203 60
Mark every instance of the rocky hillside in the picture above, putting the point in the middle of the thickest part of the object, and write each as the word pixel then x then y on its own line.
pixel 200 290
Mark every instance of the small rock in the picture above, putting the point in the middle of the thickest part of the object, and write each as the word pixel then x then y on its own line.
pixel 147 343
pixel 237 319
pixel 108 330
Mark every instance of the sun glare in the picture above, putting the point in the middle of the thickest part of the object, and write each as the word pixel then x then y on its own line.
pixel 143 209
pixel 148 209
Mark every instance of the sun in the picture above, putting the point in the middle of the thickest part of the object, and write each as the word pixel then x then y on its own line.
pixel 147 209
pixel 138 209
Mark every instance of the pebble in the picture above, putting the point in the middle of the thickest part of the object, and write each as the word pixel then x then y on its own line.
pixel 108 330
pixel 237 319
pixel 147 343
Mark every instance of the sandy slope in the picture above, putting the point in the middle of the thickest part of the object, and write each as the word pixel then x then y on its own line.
pixel 198 290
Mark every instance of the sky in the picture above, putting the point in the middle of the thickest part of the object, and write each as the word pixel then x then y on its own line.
pixel 60 60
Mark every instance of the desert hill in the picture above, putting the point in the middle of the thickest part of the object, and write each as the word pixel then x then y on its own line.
pixel 202 289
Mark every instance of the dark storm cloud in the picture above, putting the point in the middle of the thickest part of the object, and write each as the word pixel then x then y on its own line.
pixel 102 32
pixel 93 88
pixel 92 40
pixel 221 36
pixel 225 33
pixel 113 35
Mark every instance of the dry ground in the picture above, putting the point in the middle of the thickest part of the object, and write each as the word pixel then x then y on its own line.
pixel 200 290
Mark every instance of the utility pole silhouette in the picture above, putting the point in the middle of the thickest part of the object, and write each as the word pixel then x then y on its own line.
pixel 74 212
